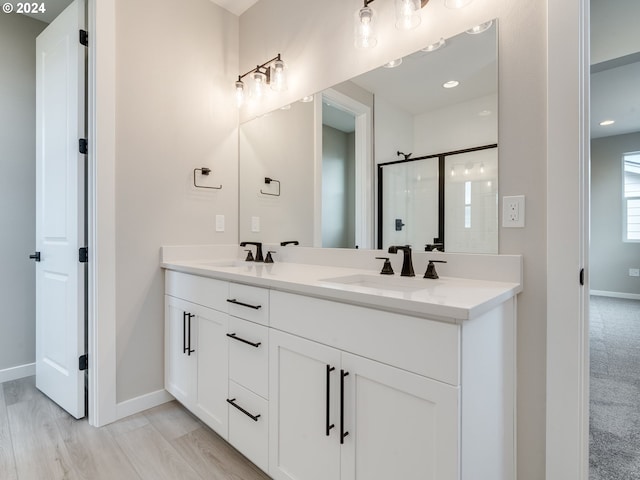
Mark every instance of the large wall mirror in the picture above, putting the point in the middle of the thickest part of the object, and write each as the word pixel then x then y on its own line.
pixel 403 154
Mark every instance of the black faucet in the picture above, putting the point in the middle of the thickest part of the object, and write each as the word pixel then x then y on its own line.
pixel 289 242
pixel 407 264
pixel 259 257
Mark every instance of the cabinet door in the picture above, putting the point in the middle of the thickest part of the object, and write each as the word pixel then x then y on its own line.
pixel 213 362
pixel 299 394
pixel 401 425
pixel 180 361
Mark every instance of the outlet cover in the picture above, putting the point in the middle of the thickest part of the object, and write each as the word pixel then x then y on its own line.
pixel 513 211
pixel 634 272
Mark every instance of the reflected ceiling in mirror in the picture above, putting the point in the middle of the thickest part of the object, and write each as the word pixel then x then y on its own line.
pixel 324 153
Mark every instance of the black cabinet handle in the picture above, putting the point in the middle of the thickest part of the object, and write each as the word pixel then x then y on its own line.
pixel 184 332
pixel 234 301
pixel 342 432
pixel 235 337
pixel 189 350
pixel 329 426
pixel 252 417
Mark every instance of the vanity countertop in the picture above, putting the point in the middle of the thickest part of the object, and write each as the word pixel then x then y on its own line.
pixel 447 298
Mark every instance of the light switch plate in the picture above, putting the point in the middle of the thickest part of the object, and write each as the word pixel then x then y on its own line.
pixel 634 272
pixel 255 224
pixel 513 211
pixel 219 223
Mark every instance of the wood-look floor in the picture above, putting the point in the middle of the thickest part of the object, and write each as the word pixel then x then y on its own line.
pixel 39 441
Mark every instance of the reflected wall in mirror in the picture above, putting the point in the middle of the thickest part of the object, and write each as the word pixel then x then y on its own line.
pixel 326 154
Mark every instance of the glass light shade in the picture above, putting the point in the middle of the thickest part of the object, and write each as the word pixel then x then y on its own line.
pixel 435 46
pixel 239 93
pixel 483 27
pixel 278 76
pixel 393 63
pixel 456 3
pixel 259 86
pixel 407 14
pixel 365 28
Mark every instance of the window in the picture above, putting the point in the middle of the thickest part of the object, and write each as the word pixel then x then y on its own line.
pixel 631 200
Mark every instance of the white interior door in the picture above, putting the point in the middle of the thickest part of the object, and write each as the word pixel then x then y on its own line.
pixel 60 230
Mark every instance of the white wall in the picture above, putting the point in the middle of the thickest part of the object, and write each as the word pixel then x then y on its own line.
pixel 268 149
pixel 17 188
pixel 457 126
pixel 315 38
pixel 176 61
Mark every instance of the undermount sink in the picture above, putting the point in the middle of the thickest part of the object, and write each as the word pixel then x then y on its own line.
pixel 381 282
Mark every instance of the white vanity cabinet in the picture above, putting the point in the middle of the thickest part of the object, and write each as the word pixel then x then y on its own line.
pixel 363 394
pixel 310 388
pixel 196 350
pixel 336 415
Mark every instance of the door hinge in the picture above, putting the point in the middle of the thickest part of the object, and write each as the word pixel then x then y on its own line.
pixel 83 362
pixel 582 276
pixel 83 146
pixel 84 38
pixel 83 255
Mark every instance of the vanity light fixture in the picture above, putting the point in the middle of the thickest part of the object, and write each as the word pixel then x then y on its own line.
pixel 451 84
pixel 605 123
pixel 407 18
pixel 271 73
pixel 434 46
pixel 483 27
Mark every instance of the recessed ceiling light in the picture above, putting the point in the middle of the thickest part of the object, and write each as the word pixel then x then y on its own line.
pixel 484 113
pixel 483 27
pixel 434 46
pixel 607 122
pixel 307 99
pixel 393 63
pixel 286 107
pixel 451 84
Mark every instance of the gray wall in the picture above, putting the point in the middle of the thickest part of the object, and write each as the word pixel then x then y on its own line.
pixel 17 188
pixel 338 188
pixel 610 257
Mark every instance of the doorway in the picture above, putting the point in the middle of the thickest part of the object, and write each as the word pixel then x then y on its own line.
pixel 614 319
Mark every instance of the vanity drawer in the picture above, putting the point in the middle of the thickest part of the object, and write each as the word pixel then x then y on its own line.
pixel 249 435
pixel 250 303
pixel 249 355
pixel 204 291
pixel 426 347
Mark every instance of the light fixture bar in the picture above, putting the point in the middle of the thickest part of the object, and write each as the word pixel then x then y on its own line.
pixel 271 72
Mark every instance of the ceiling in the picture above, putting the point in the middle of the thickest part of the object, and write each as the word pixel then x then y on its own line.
pixel 237 7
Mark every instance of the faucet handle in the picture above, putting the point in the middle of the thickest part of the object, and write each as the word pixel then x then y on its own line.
pixel 431 269
pixel 269 258
pixel 387 269
pixel 249 256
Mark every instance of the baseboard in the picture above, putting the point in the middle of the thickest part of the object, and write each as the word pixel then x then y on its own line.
pixel 142 403
pixel 15 373
pixel 605 293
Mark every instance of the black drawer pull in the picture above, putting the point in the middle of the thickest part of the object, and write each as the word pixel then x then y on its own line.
pixel 329 425
pixel 235 337
pixel 342 432
pixel 252 417
pixel 189 349
pixel 234 301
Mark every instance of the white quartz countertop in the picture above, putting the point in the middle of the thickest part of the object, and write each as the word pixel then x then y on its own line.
pixel 447 298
